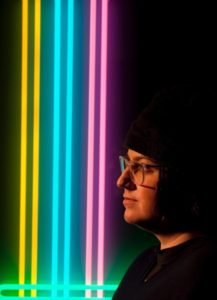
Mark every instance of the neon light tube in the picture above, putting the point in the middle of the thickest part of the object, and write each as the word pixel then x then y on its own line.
pixel 59 287
pixel 46 287
pixel 63 298
pixel 102 143
pixel 56 139
pixel 90 146
pixel 35 180
pixel 23 150
pixel 69 114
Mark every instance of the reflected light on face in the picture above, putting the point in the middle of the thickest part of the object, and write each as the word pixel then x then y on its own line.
pixel 140 201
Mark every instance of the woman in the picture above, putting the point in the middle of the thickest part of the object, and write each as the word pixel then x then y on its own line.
pixel 168 181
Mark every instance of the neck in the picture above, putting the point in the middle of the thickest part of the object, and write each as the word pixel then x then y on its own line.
pixel 174 239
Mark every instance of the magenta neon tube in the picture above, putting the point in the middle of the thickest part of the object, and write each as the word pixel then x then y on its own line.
pixel 102 149
pixel 90 150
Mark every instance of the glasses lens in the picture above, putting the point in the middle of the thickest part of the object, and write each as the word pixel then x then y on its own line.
pixel 136 171
pixel 122 163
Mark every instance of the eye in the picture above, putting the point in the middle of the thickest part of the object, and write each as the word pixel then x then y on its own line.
pixel 147 168
pixel 136 168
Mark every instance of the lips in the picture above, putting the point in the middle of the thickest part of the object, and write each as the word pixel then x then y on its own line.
pixel 129 201
pixel 128 198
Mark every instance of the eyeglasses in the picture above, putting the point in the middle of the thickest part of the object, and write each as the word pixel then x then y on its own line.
pixel 137 171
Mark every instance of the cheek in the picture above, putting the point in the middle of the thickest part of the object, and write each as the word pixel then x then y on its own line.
pixel 148 202
pixel 143 210
pixel 151 180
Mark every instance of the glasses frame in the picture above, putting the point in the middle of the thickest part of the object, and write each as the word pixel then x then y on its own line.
pixel 124 161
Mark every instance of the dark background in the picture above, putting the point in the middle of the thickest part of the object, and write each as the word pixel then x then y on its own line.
pixel 164 44
pixel 151 46
pixel 10 64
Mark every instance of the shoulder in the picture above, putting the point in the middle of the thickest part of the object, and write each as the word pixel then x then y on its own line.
pixel 203 267
pixel 140 264
pixel 193 269
pixel 197 254
pixel 203 248
pixel 135 274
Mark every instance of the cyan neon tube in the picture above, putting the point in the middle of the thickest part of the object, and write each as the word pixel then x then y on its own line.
pixel 56 139
pixel 69 130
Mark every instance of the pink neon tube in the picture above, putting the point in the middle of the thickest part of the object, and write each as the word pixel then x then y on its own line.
pixel 90 157
pixel 102 150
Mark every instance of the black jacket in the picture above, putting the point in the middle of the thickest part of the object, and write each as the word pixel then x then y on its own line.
pixel 183 272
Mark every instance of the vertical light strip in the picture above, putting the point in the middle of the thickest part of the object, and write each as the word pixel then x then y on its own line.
pixel 23 149
pixel 69 130
pixel 102 145
pixel 90 157
pixel 56 141
pixel 35 179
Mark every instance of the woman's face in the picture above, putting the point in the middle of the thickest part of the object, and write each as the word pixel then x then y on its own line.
pixel 140 201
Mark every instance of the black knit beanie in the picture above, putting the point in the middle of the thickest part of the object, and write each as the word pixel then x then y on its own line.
pixel 174 128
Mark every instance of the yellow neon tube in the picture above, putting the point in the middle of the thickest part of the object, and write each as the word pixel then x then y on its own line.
pixel 23 149
pixel 35 180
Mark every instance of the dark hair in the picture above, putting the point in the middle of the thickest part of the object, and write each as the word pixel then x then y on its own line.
pixel 177 129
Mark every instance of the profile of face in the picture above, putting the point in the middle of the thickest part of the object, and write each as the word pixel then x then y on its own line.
pixel 140 200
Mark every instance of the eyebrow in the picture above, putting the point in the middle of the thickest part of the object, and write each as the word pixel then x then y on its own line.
pixel 137 158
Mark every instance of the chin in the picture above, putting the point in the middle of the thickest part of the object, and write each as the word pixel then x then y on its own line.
pixel 132 218
pixel 149 224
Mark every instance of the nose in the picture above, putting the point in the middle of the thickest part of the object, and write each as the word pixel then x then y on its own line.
pixel 124 181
